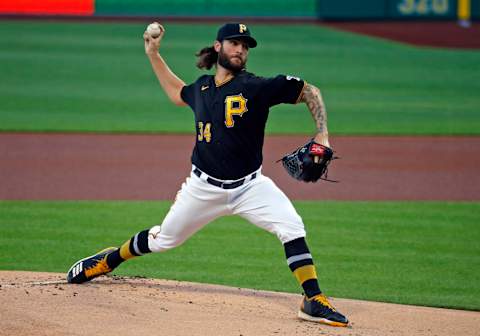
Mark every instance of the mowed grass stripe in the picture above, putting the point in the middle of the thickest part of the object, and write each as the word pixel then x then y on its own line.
pixel 423 253
pixel 61 76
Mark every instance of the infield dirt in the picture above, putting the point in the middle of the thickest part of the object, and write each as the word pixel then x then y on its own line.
pixel 44 304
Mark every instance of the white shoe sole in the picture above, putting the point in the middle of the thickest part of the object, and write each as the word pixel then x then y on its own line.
pixel 322 320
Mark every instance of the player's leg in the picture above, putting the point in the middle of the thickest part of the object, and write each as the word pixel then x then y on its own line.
pixel 315 306
pixel 197 204
pixel 265 205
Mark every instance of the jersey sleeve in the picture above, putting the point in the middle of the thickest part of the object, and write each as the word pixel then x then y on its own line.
pixel 283 89
pixel 188 94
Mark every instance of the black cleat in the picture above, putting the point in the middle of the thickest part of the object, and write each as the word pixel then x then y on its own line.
pixel 90 267
pixel 318 309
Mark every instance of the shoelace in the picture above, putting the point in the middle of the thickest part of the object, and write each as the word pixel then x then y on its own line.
pixel 323 300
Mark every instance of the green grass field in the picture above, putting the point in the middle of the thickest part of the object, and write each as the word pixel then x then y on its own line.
pixel 58 76
pixel 423 253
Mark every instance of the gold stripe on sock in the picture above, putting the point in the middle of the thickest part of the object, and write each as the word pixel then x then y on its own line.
pixel 305 273
pixel 125 251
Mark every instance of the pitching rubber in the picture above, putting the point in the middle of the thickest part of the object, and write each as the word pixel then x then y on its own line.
pixel 322 320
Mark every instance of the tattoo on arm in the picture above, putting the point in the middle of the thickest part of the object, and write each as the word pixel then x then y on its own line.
pixel 313 98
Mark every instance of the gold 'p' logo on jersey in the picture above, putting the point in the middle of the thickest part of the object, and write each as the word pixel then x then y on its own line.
pixel 242 28
pixel 234 105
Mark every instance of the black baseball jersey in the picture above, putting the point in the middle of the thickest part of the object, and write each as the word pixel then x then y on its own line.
pixel 230 120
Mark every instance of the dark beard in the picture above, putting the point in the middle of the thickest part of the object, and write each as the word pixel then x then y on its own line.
pixel 225 62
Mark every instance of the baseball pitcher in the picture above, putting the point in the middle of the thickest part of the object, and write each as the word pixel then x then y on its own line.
pixel 230 110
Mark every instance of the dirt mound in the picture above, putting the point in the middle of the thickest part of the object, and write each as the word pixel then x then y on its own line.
pixel 44 304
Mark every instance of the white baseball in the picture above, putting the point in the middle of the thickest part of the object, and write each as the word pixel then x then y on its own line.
pixel 154 30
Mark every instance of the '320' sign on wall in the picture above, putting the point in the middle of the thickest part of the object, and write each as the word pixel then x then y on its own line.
pixel 432 8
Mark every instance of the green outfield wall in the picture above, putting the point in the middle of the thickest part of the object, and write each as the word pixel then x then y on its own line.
pixel 476 9
pixel 389 9
pixel 277 8
pixel 287 9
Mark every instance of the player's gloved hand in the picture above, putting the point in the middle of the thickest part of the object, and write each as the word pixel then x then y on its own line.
pixel 152 44
pixel 309 162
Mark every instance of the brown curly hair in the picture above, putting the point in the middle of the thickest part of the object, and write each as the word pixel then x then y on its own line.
pixel 207 58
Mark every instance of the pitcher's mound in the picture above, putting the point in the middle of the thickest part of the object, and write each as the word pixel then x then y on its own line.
pixel 44 304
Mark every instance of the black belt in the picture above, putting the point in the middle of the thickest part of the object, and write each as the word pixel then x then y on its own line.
pixel 224 185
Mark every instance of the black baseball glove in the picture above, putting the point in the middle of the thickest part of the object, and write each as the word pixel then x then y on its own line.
pixel 309 162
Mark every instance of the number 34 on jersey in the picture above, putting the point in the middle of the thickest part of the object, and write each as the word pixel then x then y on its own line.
pixel 204 131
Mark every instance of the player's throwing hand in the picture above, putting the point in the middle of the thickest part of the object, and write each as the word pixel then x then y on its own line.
pixel 152 38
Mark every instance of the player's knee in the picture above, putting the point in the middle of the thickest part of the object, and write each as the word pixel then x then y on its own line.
pixel 290 230
pixel 286 236
pixel 159 242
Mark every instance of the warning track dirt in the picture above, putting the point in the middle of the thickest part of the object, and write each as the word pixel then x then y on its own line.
pixel 153 167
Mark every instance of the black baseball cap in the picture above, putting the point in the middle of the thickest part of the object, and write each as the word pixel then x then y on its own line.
pixel 236 31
